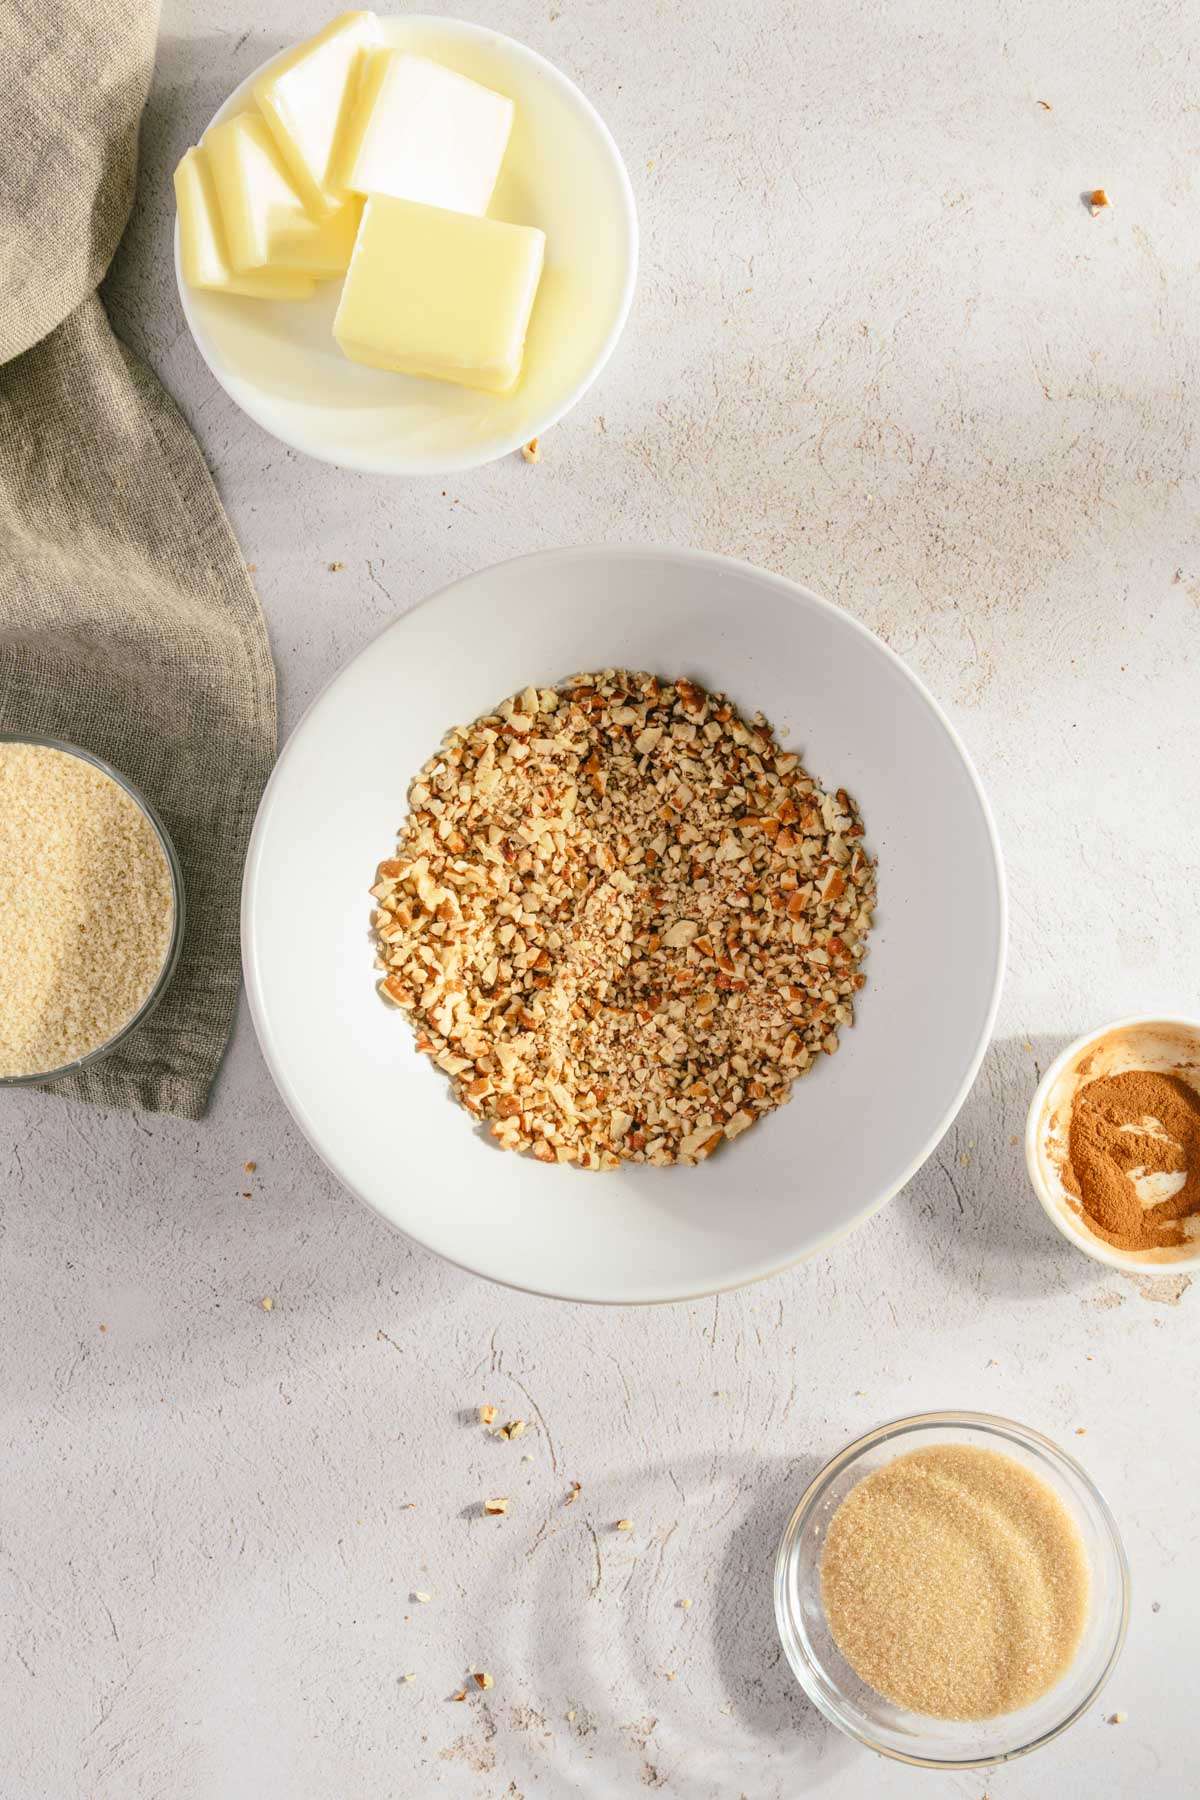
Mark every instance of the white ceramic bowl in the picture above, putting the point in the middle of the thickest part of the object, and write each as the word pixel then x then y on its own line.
pixel 857 1127
pixel 563 171
pixel 832 1685
pixel 1166 1043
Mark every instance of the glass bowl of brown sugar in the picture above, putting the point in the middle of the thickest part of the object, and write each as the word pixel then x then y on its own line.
pixel 1112 1145
pixel 952 1590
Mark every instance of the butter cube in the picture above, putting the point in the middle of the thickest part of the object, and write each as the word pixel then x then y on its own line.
pixel 307 100
pixel 420 131
pixel 440 293
pixel 266 222
pixel 202 242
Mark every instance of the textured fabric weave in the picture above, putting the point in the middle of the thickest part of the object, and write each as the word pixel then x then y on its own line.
pixel 128 624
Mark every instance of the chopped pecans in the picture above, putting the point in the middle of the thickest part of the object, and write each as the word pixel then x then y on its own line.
pixel 494 1508
pixel 623 920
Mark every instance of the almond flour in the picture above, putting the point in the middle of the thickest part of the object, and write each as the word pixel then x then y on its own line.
pixel 955 1582
pixel 623 919
pixel 86 908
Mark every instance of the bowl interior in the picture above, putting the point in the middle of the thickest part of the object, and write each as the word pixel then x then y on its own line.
pixel 831 1683
pixel 562 172
pixel 1171 1046
pixel 856 1128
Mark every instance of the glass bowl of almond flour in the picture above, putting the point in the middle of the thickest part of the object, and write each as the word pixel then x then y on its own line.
pixel 91 908
pixel 952 1590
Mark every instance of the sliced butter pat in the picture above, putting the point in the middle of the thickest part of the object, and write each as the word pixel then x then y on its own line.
pixel 440 293
pixel 266 222
pixel 423 132
pixel 307 100
pixel 202 246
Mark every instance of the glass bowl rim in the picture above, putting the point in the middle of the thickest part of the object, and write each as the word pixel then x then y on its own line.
pixel 170 960
pixel 1010 1431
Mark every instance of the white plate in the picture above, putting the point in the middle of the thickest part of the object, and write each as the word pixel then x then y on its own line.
pixel 856 1128
pixel 563 171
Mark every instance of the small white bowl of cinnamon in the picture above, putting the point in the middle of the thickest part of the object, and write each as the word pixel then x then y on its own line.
pixel 1113 1144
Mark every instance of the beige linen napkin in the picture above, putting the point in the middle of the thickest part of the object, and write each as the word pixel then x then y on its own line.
pixel 128 624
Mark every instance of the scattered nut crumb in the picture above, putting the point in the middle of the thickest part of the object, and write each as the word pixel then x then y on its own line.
pixel 623 1525
pixel 408 1678
pixel 1081 1431
pixel 574 1493
pixel 251 568
pixel 1098 200
pixel 422 1599
pixel 268 1304
pixel 336 568
pixel 669 1674
pixel 495 1506
pixel 532 451
pixel 513 1429
pixel 571 1716
pixel 104 1328
pixel 527 1456
pixel 483 1679
pixel 1117 1718
pixel 487 1415
pixel 685 1604
pixel 249 1168
pixel 461 1694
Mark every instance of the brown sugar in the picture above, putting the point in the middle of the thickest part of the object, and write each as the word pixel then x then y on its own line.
pixel 955 1582
pixel 1123 1128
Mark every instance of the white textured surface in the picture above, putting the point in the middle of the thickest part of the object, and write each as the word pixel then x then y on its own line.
pixel 879 345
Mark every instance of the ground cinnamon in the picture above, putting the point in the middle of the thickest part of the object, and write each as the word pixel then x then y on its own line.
pixel 1122 1128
